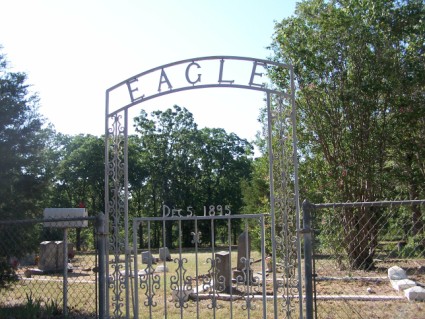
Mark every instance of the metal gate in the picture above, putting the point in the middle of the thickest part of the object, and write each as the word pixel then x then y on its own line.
pixel 133 281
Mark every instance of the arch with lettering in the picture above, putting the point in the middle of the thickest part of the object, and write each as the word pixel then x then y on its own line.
pixel 196 73
pixel 193 74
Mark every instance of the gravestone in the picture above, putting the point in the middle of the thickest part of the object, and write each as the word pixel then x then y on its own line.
pixel 243 270
pixel 269 264
pixel 223 277
pixel 147 258
pixel 415 293
pixel 396 273
pixel 164 254
pixel 51 256
pixel 48 256
pixel 59 252
pixel 161 268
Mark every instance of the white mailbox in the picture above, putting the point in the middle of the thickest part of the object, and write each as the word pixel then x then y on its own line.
pixel 61 213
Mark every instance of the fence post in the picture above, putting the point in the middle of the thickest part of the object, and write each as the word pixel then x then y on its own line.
pixel 101 245
pixel 307 208
pixel 65 271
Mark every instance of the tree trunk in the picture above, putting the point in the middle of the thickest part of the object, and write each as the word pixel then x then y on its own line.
pixel 78 239
pixel 141 243
pixel 360 237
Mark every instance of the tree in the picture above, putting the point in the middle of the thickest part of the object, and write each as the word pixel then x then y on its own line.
pixel 23 173
pixel 358 65
pixel 165 138
pixel 225 164
pixel 180 166
pixel 80 175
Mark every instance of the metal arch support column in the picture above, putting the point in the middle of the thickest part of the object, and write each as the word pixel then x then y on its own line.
pixel 308 258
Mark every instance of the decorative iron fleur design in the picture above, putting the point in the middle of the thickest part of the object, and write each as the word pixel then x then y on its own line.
pixel 196 237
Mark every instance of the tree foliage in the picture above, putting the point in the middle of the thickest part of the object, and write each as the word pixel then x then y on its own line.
pixel 182 166
pixel 359 68
pixel 22 147
pixel 24 174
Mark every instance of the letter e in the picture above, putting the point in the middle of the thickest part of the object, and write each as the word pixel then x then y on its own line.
pixel 253 74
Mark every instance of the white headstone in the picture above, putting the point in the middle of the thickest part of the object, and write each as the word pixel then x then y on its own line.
pixel 403 284
pixel 181 294
pixel 63 213
pixel 415 293
pixel 49 256
pixel 161 268
pixel 396 273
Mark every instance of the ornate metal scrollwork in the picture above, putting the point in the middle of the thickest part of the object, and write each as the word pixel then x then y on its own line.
pixel 181 284
pixel 214 282
pixel 116 207
pixel 244 283
pixel 285 206
pixel 196 237
pixel 150 283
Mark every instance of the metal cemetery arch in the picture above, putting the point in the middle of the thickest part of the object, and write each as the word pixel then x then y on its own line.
pixel 284 199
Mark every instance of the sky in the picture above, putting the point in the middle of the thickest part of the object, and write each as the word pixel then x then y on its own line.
pixel 73 51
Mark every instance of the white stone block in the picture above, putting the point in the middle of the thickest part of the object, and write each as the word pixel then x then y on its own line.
pixel 182 294
pixel 415 293
pixel 396 273
pixel 140 273
pixel 403 284
pixel 63 213
pixel 161 268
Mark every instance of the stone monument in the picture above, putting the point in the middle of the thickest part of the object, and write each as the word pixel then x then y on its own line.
pixel 243 270
pixel 223 275
pixel 164 254
pixel 51 256
pixel 147 258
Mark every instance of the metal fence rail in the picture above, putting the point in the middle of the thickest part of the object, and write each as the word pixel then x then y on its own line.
pixel 353 246
pixel 49 272
pixel 206 279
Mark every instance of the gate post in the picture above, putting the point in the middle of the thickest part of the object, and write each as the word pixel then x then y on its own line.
pixel 308 264
pixel 101 246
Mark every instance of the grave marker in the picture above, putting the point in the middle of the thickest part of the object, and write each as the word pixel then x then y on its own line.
pixel 223 277
pixel 243 270
pixel 164 254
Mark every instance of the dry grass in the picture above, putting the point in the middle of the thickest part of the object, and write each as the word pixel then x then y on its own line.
pixel 82 293
pixel 336 282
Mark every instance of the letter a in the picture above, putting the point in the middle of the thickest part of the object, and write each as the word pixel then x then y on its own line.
pixel 163 79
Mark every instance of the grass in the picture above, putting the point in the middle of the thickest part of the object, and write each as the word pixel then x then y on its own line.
pixel 43 295
pixel 155 301
pixel 33 308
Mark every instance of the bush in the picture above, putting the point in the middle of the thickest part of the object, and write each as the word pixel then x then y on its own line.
pixel 7 273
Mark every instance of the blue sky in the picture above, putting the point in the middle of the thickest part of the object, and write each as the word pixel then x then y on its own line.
pixel 74 50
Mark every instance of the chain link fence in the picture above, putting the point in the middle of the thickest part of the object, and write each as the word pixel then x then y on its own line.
pixel 49 270
pixel 354 246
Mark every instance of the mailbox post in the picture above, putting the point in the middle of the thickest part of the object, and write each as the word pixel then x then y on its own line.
pixel 65 218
